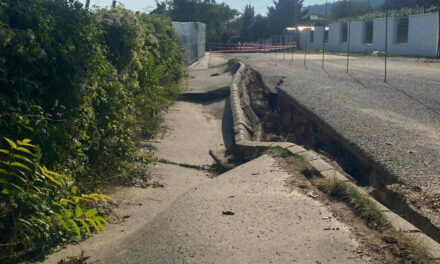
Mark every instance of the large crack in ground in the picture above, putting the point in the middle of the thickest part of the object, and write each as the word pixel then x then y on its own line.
pixel 284 119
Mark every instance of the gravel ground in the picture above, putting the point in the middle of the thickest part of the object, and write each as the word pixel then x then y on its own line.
pixel 397 122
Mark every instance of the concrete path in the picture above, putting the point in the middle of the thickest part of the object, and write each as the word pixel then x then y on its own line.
pixel 247 215
pixel 396 123
pixel 192 131
pixel 269 225
pixel 208 79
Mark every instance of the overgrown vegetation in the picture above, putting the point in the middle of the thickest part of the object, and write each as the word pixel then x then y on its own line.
pixel 85 86
pixel 352 10
pixel 407 248
pixel 403 12
pixel 39 207
pixel 362 205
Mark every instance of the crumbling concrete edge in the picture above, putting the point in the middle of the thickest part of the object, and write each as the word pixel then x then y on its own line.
pixel 243 141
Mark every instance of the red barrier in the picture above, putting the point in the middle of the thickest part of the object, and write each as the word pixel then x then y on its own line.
pixel 249 47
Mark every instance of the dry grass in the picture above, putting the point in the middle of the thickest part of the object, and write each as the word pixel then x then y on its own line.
pixel 361 204
pixel 410 249
pixel 405 246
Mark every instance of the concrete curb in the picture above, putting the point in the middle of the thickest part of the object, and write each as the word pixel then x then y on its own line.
pixel 243 140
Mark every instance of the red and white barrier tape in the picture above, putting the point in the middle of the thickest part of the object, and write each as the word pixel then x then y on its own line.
pixel 249 47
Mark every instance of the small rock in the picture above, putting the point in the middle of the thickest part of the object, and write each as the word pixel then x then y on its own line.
pixel 312 194
pixel 228 213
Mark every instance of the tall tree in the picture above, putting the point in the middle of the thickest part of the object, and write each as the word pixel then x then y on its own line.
pixel 248 21
pixel 398 4
pixel 350 8
pixel 260 27
pixel 285 13
pixel 161 8
pixel 215 16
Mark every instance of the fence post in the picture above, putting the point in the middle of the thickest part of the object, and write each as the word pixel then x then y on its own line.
pixel 386 43
pixel 292 40
pixel 306 39
pixel 348 44
pixel 323 37
pixel 270 45
pixel 284 47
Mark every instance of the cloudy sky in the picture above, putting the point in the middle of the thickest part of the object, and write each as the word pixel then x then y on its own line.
pixel 148 5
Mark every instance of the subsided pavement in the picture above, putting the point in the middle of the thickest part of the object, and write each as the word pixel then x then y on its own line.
pixel 397 124
pixel 246 215
pixel 268 225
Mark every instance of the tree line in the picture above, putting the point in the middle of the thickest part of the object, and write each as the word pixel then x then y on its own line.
pixel 228 25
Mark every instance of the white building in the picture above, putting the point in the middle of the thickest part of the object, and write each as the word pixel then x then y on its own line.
pixel 417 35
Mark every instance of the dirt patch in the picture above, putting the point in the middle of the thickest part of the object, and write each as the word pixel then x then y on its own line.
pixel 375 246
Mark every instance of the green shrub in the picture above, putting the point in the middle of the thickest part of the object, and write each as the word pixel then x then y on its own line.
pixel 39 207
pixel 85 86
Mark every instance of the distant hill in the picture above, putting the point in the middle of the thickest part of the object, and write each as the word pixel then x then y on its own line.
pixel 320 9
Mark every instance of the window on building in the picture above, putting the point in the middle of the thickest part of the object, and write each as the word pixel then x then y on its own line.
pixel 402 30
pixel 312 36
pixel 326 35
pixel 369 32
pixel 344 32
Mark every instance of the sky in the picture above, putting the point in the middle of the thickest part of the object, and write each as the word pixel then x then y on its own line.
pixel 148 5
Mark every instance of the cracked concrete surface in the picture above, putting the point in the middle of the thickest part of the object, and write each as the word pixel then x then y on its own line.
pixel 184 222
pixel 396 123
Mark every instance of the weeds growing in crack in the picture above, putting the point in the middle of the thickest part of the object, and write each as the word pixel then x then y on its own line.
pixel 410 249
pixel 406 247
pixel 279 151
pixel 362 205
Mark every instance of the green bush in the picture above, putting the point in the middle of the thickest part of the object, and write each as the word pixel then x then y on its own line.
pixel 39 207
pixel 85 86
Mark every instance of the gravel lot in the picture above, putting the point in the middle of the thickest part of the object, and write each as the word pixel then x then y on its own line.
pixel 397 122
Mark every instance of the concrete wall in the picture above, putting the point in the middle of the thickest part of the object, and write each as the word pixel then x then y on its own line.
pixel 192 37
pixel 423 36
